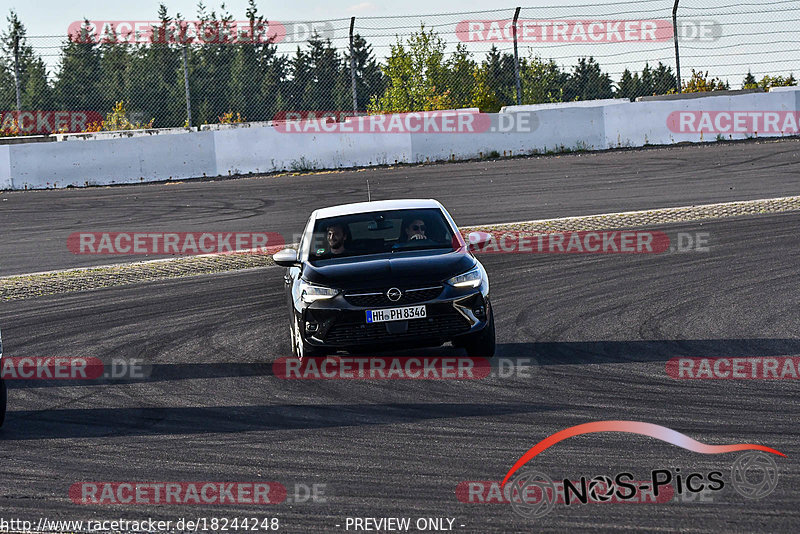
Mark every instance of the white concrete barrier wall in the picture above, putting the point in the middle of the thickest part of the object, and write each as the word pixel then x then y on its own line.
pixel 5 167
pixel 642 123
pixel 254 150
pixel 542 131
pixel 590 125
pixel 565 105
pixel 112 161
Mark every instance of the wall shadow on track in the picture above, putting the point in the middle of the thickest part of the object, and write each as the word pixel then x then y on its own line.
pixel 161 373
pixel 546 353
pixel 599 352
pixel 115 422
pixel 165 372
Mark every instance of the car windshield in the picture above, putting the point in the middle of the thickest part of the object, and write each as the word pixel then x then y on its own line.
pixel 379 232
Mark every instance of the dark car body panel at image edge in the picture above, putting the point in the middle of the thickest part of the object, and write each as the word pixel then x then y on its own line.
pixel 3 390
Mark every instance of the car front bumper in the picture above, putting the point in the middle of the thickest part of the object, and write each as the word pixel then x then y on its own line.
pixel 336 323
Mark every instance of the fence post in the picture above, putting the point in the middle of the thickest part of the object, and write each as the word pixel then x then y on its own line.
pixel 353 67
pixel 16 72
pixel 185 55
pixel 675 38
pixel 516 58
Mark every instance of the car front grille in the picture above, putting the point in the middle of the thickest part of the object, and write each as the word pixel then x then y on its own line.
pixel 440 326
pixel 377 297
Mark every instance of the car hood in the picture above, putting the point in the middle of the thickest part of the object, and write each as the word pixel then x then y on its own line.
pixel 405 269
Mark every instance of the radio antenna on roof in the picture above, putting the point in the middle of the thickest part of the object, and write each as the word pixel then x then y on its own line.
pixel 369 196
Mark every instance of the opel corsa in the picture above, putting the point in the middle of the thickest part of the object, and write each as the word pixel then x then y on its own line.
pixel 385 275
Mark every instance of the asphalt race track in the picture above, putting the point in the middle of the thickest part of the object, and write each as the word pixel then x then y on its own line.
pixel 35 224
pixel 597 331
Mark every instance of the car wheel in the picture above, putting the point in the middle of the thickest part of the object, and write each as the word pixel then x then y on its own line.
pixel 300 349
pixel 480 344
pixel 3 401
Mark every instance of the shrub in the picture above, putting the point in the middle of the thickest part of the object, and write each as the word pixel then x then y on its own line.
pixel 701 83
pixel 10 128
pixel 117 120
pixel 230 118
pixel 767 82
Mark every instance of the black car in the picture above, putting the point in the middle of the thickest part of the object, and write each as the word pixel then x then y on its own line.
pixel 3 392
pixel 385 275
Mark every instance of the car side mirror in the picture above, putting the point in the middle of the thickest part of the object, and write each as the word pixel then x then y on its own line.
pixel 475 240
pixel 286 258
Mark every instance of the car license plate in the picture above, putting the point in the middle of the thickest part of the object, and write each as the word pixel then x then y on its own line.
pixel 396 314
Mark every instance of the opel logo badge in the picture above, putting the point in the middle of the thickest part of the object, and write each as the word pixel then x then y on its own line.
pixel 394 294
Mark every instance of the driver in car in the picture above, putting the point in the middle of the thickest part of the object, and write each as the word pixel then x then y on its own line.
pixel 415 230
pixel 337 237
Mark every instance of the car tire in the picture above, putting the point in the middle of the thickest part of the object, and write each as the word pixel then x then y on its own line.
pixel 3 401
pixel 300 349
pixel 480 344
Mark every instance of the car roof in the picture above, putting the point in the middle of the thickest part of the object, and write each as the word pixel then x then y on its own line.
pixel 378 205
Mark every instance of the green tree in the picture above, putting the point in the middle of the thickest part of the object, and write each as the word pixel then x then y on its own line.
pixel 8 96
pixel 300 79
pixel 587 82
pixel 252 84
pixel 664 80
pixel 325 90
pixel 749 81
pixel 114 73
pixel 500 76
pixel 542 81
pixel 460 83
pixel 273 82
pixel 417 76
pixel 484 95
pixel 628 86
pixel 35 91
pixel 211 66
pixel 646 82
pixel 76 85
pixel 369 78
pixel 656 81
pixel 494 82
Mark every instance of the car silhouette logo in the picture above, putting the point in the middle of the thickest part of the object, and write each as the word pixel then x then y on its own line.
pixel 394 294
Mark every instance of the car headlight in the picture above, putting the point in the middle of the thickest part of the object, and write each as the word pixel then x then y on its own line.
pixel 471 278
pixel 311 292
